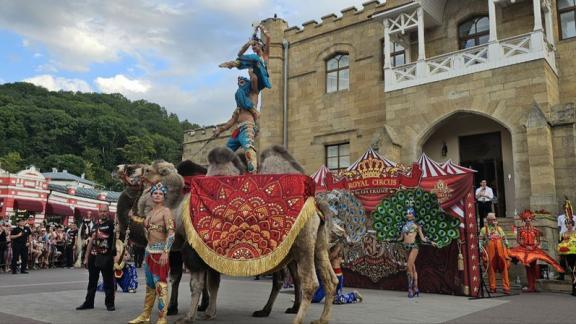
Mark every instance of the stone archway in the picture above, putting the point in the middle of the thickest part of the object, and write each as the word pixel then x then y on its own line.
pixel 482 143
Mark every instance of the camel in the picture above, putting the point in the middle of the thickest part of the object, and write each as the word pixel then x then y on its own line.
pixel 310 249
pixel 133 203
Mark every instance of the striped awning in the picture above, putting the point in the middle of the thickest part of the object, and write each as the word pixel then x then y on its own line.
pixel 59 209
pixel 29 205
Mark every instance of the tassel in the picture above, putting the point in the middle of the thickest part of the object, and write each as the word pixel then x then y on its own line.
pixel 460 262
pixel 460 258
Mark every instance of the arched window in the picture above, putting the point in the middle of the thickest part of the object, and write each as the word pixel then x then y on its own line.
pixel 567 17
pixel 474 32
pixel 337 73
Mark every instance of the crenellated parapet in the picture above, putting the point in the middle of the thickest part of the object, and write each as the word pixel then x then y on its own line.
pixel 348 16
pixel 195 140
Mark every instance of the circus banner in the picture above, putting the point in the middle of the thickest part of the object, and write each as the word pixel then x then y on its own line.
pixel 378 183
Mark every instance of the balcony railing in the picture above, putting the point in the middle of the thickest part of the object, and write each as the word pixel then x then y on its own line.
pixel 505 52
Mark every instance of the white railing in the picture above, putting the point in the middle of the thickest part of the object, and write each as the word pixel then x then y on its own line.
pixel 505 52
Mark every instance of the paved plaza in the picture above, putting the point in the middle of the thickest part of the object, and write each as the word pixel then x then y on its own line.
pixel 50 296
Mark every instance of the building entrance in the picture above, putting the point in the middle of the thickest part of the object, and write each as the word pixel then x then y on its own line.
pixel 483 153
pixel 480 143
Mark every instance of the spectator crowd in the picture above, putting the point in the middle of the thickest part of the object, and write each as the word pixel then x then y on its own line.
pixel 26 246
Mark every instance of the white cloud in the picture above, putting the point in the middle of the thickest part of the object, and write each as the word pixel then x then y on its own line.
pixel 121 84
pixel 164 51
pixel 56 83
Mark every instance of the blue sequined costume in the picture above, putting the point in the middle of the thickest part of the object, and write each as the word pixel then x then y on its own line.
pixel 340 297
pixel 257 64
pixel 128 282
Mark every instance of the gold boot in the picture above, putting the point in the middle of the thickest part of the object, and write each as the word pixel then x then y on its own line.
pixel 162 292
pixel 148 304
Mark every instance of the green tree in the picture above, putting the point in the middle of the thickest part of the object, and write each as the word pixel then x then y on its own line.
pixel 139 149
pixel 12 162
pixel 85 132
pixel 70 162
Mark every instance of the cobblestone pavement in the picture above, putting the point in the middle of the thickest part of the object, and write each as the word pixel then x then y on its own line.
pixel 50 296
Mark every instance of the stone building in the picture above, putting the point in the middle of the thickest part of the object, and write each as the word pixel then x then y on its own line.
pixel 490 84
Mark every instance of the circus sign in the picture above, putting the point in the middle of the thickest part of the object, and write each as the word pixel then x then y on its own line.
pixel 381 186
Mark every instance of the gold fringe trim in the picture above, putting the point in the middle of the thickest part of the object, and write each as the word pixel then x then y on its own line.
pixel 246 268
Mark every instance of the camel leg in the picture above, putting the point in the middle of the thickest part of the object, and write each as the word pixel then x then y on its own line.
pixel 326 274
pixel 293 268
pixel 196 285
pixel 303 251
pixel 277 281
pixel 212 283
pixel 204 301
pixel 175 277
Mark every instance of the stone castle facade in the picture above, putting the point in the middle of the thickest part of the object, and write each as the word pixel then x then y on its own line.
pixel 415 77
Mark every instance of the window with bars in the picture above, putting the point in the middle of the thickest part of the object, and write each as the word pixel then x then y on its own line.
pixel 338 156
pixel 337 73
pixel 473 32
pixel 567 18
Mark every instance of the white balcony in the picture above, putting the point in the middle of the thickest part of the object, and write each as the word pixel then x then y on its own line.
pixel 501 53
pixel 497 53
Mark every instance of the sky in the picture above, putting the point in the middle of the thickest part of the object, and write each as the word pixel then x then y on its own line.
pixel 166 52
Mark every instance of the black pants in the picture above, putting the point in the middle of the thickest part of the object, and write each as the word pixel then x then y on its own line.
pixel 69 256
pixel 484 207
pixel 571 262
pixel 2 252
pixel 138 256
pixel 97 264
pixel 22 252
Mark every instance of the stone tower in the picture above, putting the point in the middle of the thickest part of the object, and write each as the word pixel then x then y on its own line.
pixel 272 99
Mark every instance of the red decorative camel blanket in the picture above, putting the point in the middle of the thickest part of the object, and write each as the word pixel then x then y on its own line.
pixel 246 225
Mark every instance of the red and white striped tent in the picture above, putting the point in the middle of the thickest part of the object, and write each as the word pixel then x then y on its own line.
pixel 371 154
pixel 320 178
pixel 430 168
pixel 452 168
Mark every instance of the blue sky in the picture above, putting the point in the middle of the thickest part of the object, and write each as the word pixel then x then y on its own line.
pixel 166 52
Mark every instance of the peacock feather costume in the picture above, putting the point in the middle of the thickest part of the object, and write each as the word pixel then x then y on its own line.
pixel 390 215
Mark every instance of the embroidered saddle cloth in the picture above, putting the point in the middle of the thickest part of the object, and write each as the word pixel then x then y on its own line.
pixel 245 225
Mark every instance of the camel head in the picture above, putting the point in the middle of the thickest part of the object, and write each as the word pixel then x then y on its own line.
pixel 158 170
pixel 129 174
pixel 277 160
pixel 224 162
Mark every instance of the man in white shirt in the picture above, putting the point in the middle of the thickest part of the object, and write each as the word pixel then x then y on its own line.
pixel 484 196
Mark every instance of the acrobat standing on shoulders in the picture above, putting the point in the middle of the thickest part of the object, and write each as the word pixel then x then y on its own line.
pixel 258 61
pixel 244 117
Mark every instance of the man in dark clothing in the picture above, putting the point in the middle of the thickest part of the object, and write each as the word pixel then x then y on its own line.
pixel 100 258
pixel 70 244
pixel 4 233
pixel 20 237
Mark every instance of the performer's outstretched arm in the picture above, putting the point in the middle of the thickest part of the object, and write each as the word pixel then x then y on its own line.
pixel 267 43
pixel 245 47
pixel 228 124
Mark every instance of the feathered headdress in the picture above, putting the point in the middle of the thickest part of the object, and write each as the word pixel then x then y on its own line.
pixel 410 209
pixel 527 214
pixel 159 186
